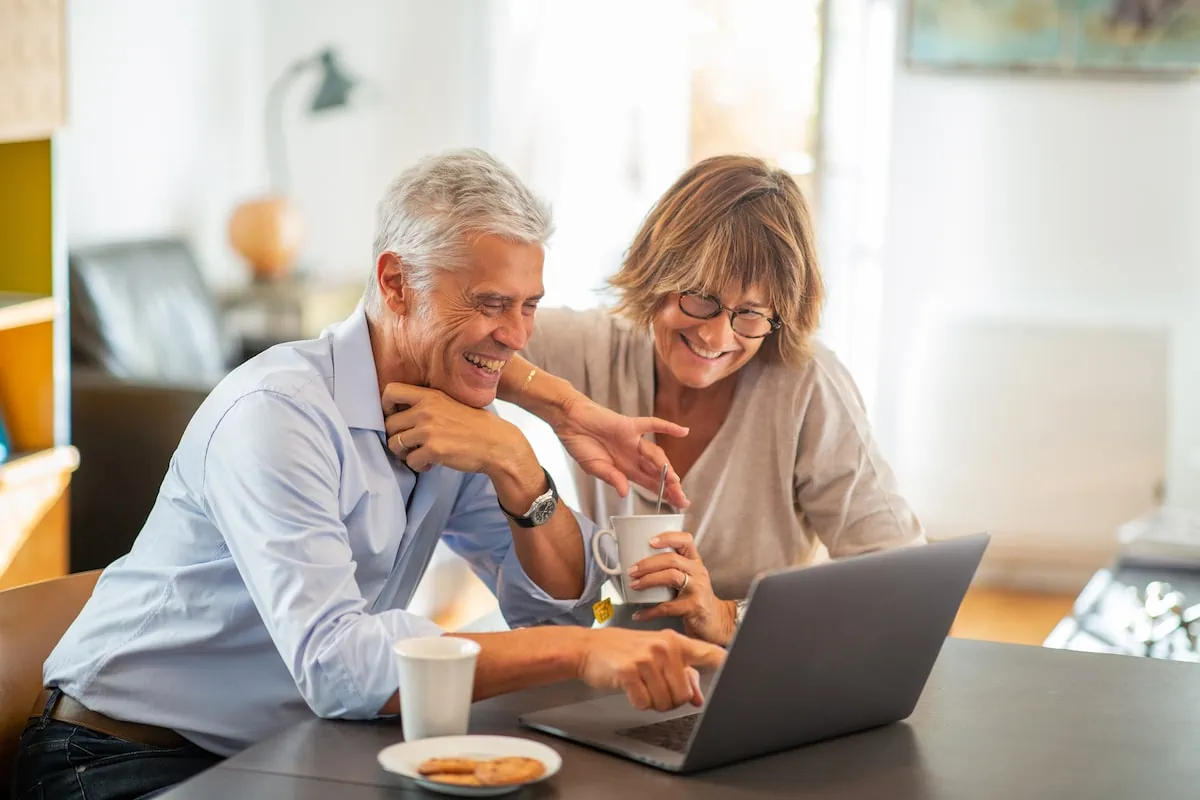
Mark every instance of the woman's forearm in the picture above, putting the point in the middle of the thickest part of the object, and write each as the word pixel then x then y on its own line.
pixel 535 390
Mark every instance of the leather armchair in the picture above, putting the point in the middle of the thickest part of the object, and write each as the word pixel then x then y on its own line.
pixel 147 347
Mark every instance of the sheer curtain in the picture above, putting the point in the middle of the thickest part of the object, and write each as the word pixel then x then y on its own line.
pixel 859 43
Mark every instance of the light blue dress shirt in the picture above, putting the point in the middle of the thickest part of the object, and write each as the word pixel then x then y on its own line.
pixel 270 579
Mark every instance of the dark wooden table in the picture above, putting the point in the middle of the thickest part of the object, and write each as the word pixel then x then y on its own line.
pixel 995 721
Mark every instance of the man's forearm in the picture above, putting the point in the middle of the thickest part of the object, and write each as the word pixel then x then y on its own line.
pixel 551 554
pixel 520 659
pixel 533 389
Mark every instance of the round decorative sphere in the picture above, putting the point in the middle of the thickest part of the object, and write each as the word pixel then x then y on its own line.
pixel 267 232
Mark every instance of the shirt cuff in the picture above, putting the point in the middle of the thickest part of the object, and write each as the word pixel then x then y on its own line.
pixel 362 667
pixel 523 603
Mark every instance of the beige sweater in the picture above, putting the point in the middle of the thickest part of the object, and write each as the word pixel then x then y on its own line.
pixel 793 476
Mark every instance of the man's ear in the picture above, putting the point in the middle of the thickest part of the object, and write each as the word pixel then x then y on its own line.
pixel 394 290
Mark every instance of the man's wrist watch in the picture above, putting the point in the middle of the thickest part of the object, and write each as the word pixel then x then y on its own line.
pixel 540 511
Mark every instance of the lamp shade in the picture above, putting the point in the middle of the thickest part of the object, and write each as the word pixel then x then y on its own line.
pixel 335 87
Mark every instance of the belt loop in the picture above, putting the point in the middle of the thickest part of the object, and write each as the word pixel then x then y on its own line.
pixel 49 707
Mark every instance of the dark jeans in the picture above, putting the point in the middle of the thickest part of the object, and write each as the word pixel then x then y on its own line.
pixel 59 760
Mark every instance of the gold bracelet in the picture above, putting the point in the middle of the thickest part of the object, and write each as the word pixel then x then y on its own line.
pixel 528 379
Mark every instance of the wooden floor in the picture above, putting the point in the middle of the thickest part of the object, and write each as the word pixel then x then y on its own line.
pixel 1005 615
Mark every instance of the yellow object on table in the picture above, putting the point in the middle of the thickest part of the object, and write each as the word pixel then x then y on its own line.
pixel 603 610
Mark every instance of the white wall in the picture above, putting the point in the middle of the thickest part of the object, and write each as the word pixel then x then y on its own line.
pixel 166 126
pixel 163 121
pixel 1041 199
pixel 426 66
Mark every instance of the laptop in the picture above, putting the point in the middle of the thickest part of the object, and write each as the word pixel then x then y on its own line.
pixel 822 651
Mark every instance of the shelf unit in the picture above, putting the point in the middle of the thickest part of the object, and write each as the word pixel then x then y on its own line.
pixel 34 335
pixel 18 309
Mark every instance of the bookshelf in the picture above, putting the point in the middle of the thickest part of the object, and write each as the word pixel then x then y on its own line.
pixel 34 335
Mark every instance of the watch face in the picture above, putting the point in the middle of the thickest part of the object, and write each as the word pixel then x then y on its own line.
pixel 542 510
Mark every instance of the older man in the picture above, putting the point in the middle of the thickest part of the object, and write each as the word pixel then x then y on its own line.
pixel 271 578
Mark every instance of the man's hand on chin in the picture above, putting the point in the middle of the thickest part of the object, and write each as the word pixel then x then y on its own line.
pixel 426 427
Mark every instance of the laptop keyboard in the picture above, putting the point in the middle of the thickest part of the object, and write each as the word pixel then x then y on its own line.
pixel 671 734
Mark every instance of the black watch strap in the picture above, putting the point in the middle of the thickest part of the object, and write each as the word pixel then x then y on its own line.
pixel 540 511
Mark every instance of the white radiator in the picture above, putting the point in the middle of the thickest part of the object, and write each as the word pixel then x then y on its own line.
pixel 1050 436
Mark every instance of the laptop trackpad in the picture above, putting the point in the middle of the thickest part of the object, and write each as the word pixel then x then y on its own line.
pixel 612 724
pixel 669 734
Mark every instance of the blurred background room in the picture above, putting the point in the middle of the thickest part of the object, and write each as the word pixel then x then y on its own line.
pixel 1006 195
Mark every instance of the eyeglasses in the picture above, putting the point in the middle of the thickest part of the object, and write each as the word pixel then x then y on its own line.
pixel 750 324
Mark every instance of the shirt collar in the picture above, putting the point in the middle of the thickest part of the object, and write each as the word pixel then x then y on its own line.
pixel 355 379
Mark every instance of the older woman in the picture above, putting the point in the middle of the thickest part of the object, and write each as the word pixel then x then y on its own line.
pixel 719 296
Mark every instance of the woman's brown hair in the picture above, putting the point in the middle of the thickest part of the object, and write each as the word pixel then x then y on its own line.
pixel 729 220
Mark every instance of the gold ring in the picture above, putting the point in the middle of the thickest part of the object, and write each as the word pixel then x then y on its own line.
pixel 686 579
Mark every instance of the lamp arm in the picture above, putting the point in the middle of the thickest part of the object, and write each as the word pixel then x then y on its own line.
pixel 275 149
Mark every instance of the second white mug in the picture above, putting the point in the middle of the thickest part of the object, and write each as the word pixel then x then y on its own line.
pixel 632 535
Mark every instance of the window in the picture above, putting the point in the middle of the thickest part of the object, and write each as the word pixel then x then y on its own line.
pixel 756 78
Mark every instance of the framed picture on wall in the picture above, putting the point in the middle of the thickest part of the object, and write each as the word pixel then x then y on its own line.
pixel 1159 37
pixel 1137 35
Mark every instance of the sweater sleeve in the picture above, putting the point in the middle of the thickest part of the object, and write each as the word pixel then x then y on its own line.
pixel 843 485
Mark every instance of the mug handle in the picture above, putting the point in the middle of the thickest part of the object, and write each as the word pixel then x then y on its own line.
pixel 599 558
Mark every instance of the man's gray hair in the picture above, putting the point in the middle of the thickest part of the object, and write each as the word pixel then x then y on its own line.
pixel 430 215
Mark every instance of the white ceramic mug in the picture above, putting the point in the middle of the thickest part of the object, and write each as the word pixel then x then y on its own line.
pixel 632 535
pixel 437 681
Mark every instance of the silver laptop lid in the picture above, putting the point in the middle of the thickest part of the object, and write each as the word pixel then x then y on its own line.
pixel 832 649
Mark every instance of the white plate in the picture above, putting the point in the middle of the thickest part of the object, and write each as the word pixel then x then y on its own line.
pixel 404 758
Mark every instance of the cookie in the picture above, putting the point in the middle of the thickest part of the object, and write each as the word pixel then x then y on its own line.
pixel 509 770
pixel 455 778
pixel 448 766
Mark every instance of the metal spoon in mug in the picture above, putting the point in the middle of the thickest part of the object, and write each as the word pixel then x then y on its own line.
pixel 662 485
